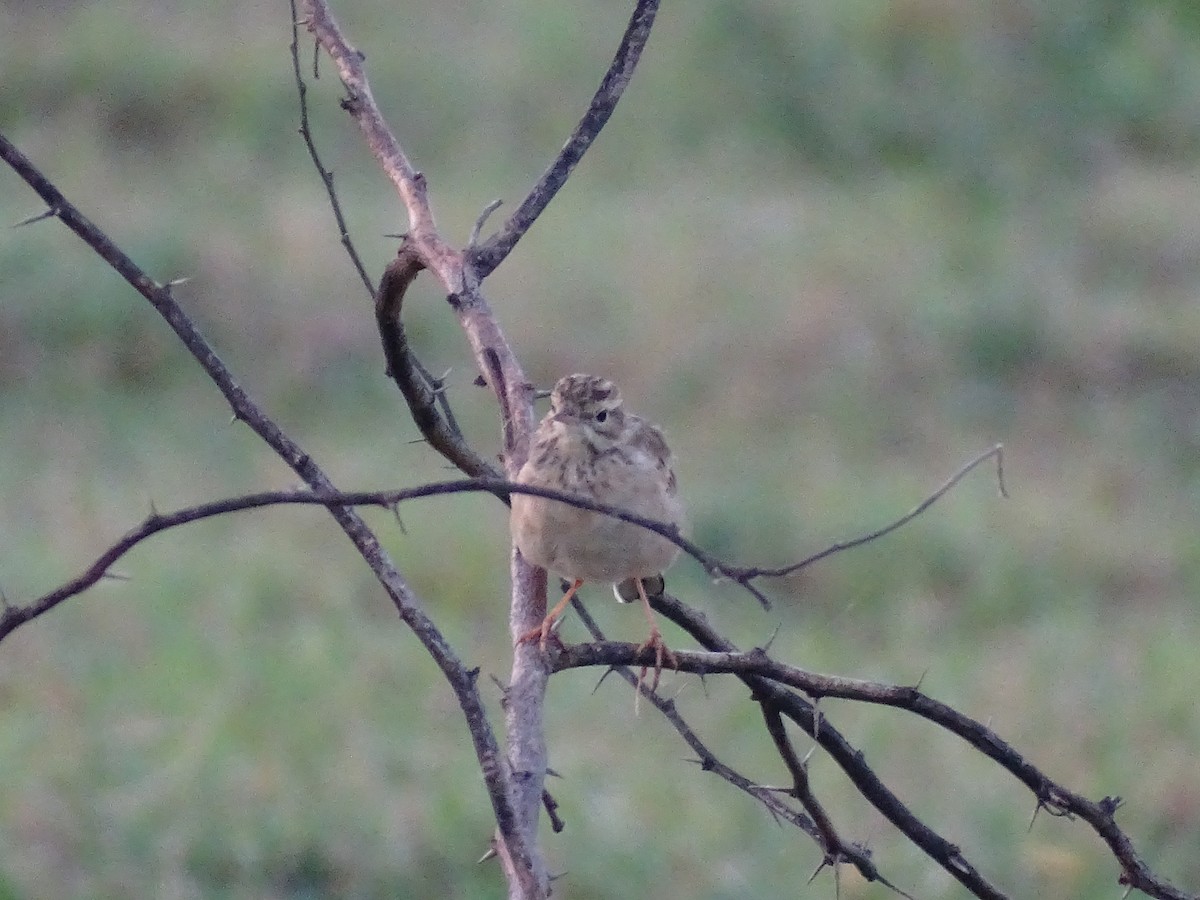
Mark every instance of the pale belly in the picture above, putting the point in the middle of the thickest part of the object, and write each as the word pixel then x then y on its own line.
pixel 577 543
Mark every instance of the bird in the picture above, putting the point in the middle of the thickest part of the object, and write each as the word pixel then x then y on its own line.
pixel 588 445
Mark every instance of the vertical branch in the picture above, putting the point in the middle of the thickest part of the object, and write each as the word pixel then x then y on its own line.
pixel 526 763
pixel 460 278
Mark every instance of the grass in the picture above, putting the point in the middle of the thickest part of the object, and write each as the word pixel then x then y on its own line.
pixel 835 249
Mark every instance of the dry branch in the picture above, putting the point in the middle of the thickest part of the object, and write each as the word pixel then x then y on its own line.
pixel 515 780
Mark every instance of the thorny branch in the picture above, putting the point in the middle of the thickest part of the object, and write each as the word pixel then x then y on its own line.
pixel 858 856
pixel 460 273
pixel 492 762
pixel 764 676
pixel 425 394
pixel 15 616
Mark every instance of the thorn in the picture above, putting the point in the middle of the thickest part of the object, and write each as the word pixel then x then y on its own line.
pixel 607 672
pixel 473 240
pixel 48 214
pixel 115 576
pixel 399 236
pixel 817 717
pixel 814 875
pixel 491 854
pixel 552 773
pixel 177 281
pixel 4 600
pixel 808 755
pixel 438 385
pixel 771 639
pixel 1128 891
pixel 540 394
pixel 1036 809
pixel 920 681
pixel 683 687
pixel 399 521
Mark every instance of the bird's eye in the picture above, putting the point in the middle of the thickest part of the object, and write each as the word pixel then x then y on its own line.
pixel 602 415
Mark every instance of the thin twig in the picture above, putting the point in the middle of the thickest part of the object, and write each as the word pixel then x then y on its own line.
pixel 836 849
pixel 326 174
pixel 995 452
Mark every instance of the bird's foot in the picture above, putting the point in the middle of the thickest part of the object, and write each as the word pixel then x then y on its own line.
pixel 543 634
pixel 661 652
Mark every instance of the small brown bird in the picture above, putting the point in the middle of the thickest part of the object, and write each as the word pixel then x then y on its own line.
pixel 589 446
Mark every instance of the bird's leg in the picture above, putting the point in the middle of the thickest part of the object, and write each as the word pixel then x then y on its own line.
pixel 655 640
pixel 542 632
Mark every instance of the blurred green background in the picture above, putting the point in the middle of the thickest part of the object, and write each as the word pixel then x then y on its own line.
pixel 836 249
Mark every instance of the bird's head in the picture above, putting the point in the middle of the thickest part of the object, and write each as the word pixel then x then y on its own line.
pixel 589 407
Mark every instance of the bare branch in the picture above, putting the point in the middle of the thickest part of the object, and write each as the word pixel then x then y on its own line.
pixel 390 500
pixel 1050 795
pixel 326 174
pixel 848 758
pixel 996 452
pixel 705 758
pixel 422 382
pixel 489 255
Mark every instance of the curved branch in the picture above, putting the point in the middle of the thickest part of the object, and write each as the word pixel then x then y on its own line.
pixel 404 369
pixel 486 257
pixel 996 451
